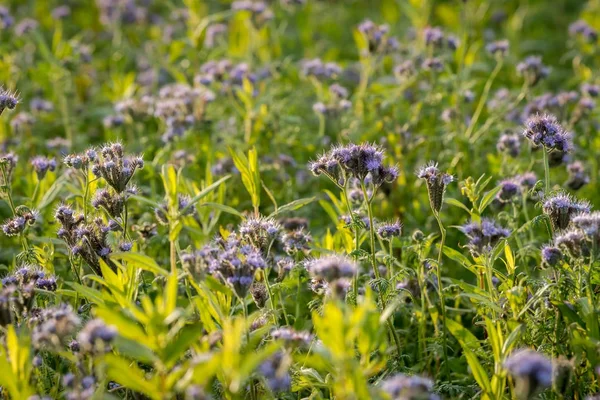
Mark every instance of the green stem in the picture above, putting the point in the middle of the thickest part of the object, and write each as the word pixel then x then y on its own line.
pixel 546 172
pixel 483 99
pixel 390 321
pixel 441 288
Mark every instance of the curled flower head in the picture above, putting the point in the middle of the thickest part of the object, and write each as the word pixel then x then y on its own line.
pixel 509 189
pixel 331 268
pixel 275 371
pixel 53 326
pixel 532 69
pixel 561 208
pixel 8 100
pixel 544 130
pixel 389 230
pixel 23 218
pixel 551 256
pixel 41 165
pixel 296 241
pixel 577 175
pixel 377 36
pixel 582 29
pixel 436 184
pixel 400 387
pixel 96 337
pixel 532 372
pixel 589 224
pixel 498 48
pixel 573 242
pixel 509 144
pixel 292 336
pixel 116 168
pixel 484 235
pixel 358 161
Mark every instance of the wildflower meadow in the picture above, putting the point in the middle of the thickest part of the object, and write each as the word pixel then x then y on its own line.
pixel 299 199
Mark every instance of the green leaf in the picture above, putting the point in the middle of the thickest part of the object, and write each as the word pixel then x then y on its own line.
pixel 206 191
pixel 488 198
pixel 292 206
pixel 224 208
pixel 129 375
pixel 456 203
pixel 468 343
pixel 463 335
pixel 512 339
pixel 456 256
pixel 169 177
pixel 134 349
pixel 510 259
pixel 180 344
pixel 92 295
pixel 140 261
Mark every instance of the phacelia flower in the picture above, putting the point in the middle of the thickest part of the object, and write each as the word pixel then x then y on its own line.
pixel 275 371
pixel 531 371
pixel 581 28
pixel 436 184
pixel 561 208
pixel 96 337
pixel 389 230
pixel 359 161
pixel 41 165
pixel 577 176
pixel 404 387
pixel 544 130
pixel 8 100
pixel 498 48
pixel 484 235
pixel 116 168
pixel 509 144
pixel 573 242
pixel 551 256
pixel 509 189
pixel 533 70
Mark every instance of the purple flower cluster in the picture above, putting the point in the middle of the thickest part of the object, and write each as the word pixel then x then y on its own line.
pixel 435 37
pixel 332 274
pixel 358 161
pixel 275 372
pixel 561 208
pixel 321 70
pixel 436 182
pixel 532 372
pixel 234 261
pixel 23 218
pixel 402 386
pixel 96 337
pixel 509 144
pixel 116 168
pixel 378 37
pixel 41 165
pixel 8 100
pixel 581 28
pixel 86 240
pixel 389 230
pixel 81 161
pixel 498 48
pixel 52 327
pixel 544 130
pixel 532 70
pixel 484 235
